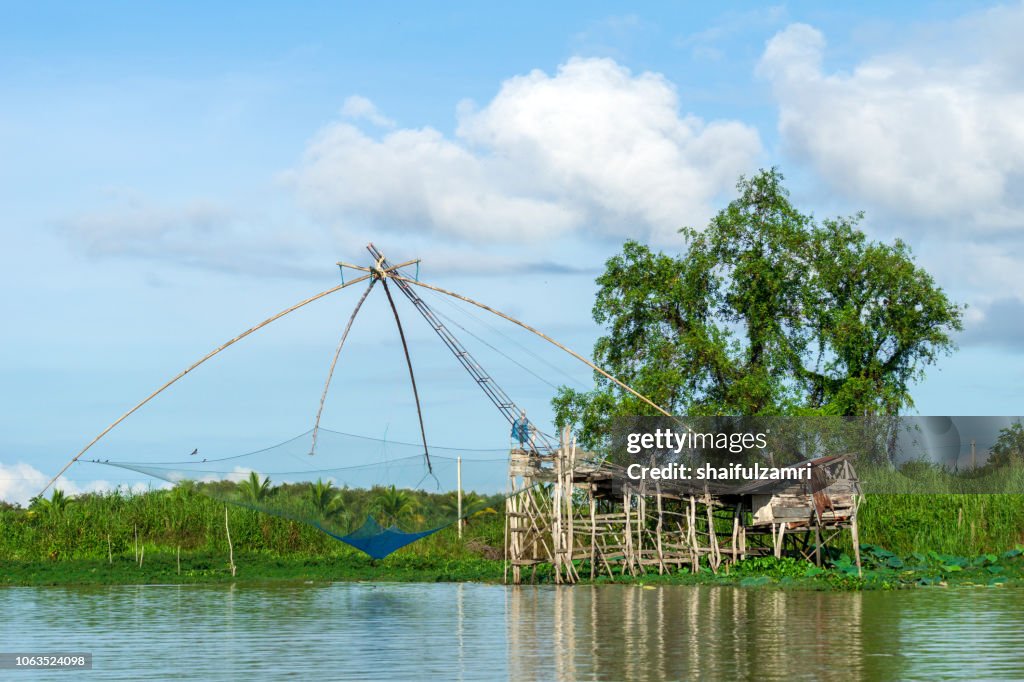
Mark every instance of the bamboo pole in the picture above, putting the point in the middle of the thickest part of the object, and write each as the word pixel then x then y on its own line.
pixel 458 482
pixel 855 537
pixel 627 536
pixel 540 334
pixel 714 559
pixel 198 362
pixel 569 507
pixel 231 547
pixel 504 574
pixel 556 513
pixel 735 531
pixel 593 531
pixel 334 362
pixel 691 535
pixel 817 545
pixel 641 527
pixel 412 376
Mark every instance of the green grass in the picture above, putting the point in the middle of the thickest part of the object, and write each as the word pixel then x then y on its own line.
pixel 161 568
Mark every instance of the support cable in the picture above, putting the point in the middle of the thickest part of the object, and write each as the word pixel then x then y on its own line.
pixel 400 278
pixel 490 387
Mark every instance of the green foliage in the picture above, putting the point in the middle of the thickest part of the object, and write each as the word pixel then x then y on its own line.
pixel 911 540
pixel 1008 448
pixel 254 489
pixel 54 506
pixel 394 506
pixel 325 499
pixel 54 548
pixel 766 312
pixel 934 568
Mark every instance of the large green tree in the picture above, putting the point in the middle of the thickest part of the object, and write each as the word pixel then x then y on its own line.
pixel 766 311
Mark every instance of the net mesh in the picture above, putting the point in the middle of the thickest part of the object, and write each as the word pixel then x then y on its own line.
pixel 372 494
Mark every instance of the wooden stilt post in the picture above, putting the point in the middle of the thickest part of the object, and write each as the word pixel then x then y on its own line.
pixel 691 535
pixel 570 488
pixel 627 535
pixel 817 545
pixel 231 547
pixel 661 520
pixel 593 533
pixel 714 559
pixel 735 531
pixel 641 524
pixel 458 480
pixel 855 537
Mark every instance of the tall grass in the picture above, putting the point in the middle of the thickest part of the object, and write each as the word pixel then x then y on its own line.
pixel 89 526
pixel 904 511
pixel 922 507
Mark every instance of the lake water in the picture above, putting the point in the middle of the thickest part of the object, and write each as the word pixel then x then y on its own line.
pixel 391 631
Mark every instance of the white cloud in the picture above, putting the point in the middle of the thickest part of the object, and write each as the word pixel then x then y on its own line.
pixel 358 107
pixel 593 148
pixel 929 136
pixel 198 233
pixel 20 482
pixel 920 135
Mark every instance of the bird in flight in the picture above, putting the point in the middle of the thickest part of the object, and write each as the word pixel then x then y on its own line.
pixel 195 452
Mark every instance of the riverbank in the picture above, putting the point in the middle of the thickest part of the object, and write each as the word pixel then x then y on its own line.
pixel 882 570
pixel 910 540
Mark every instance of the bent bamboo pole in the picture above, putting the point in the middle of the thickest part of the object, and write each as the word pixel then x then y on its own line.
pixel 334 363
pixel 538 333
pixel 412 375
pixel 191 367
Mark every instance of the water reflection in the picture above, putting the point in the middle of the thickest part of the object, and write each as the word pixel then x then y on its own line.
pixel 486 632
pixel 634 633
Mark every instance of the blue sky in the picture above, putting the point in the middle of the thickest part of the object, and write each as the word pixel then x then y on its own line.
pixel 171 175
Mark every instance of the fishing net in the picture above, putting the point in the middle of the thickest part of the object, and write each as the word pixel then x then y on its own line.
pixel 374 495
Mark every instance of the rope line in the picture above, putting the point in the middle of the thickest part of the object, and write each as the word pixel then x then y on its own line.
pixel 540 334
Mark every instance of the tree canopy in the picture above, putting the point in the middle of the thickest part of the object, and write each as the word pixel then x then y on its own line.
pixel 766 311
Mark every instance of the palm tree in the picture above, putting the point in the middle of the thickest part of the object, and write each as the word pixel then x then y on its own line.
pixel 326 501
pixel 393 505
pixel 254 490
pixel 55 505
pixel 472 504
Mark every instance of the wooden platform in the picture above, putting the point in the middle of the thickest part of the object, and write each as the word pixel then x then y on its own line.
pixel 585 518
